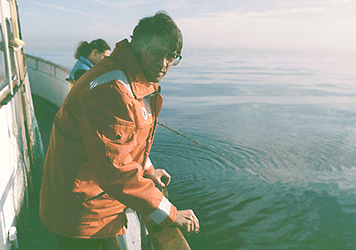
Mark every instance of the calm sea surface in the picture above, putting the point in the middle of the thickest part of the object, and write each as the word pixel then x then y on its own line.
pixel 290 117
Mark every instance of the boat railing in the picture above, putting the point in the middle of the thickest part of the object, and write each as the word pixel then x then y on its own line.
pixel 47 67
pixel 47 79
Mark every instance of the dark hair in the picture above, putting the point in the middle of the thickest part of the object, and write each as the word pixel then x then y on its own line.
pixel 160 25
pixel 85 48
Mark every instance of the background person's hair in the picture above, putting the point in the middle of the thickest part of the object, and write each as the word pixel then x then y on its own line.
pixel 163 27
pixel 85 48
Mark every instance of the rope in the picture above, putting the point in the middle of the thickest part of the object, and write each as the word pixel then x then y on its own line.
pixel 215 152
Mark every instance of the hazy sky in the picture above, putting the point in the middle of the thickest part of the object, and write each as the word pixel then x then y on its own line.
pixel 286 24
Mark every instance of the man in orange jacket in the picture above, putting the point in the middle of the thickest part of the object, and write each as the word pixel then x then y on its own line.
pixel 97 162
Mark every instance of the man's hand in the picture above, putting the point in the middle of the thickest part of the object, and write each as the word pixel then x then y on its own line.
pixel 187 221
pixel 160 177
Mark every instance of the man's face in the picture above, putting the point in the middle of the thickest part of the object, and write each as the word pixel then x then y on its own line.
pixel 155 70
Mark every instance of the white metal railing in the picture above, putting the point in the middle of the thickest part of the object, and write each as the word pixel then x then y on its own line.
pixel 47 67
pixel 47 79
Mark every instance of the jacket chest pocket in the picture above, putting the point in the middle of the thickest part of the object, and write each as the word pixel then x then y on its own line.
pixel 123 133
pixel 119 142
pixel 120 132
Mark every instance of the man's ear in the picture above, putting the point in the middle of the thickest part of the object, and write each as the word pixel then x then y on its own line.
pixel 133 44
pixel 135 47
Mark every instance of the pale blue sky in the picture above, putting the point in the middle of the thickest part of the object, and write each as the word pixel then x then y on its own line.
pixel 285 24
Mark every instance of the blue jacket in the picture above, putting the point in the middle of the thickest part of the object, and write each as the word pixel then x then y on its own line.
pixel 81 64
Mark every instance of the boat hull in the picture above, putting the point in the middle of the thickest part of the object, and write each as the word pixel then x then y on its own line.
pixel 21 151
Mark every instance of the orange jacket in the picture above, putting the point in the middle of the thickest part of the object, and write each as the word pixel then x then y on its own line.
pixel 98 152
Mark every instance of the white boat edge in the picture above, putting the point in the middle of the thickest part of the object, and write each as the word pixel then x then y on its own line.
pixel 21 151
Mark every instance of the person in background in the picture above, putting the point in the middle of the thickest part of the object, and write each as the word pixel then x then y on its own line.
pixel 97 164
pixel 88 54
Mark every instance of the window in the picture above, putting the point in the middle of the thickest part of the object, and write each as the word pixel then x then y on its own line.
pixel 2 61
pixel 11 49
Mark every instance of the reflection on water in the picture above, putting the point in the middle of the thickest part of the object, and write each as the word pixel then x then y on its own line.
pixel 239 211
pixel 289 118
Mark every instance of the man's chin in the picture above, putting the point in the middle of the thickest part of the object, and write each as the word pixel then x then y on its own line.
pixel 154 75
pixel 155 79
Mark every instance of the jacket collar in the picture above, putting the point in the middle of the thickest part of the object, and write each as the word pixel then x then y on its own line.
pixel 85 61
pixel 133 70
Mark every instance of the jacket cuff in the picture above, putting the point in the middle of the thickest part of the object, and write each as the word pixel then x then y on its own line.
pixel 148 167
pixel 165 214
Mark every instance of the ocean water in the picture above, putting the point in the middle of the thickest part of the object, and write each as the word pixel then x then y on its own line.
pixel 289 116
